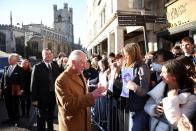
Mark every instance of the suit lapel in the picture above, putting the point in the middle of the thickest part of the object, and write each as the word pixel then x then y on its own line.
pixel 6 71
pixel 44 65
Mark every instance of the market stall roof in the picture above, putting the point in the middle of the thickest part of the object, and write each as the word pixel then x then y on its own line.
pixel 3 54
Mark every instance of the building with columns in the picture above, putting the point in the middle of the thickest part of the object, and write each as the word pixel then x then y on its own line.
pixel 114 23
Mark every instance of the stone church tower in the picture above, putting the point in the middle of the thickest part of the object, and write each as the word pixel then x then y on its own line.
pixel 63 22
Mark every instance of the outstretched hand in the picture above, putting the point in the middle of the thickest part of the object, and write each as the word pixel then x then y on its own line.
pixel 99 91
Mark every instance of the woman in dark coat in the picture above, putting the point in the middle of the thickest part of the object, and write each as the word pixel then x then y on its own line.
pixel 26 97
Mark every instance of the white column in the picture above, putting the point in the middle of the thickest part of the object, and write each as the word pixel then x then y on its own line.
pixel 150 46
pixel 119 40
pixel 111 43
pixel 151 40
pixel 93 50
pixel 100 48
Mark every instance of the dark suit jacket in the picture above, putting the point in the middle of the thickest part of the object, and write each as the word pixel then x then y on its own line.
pixel 16 78
pixel 27 75
pixel 40 83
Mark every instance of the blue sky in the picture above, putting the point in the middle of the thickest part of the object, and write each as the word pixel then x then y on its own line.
pixel 33 11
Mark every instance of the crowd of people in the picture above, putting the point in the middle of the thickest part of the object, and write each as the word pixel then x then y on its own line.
pixel 153 93
pixel 23 86
pixel 121 92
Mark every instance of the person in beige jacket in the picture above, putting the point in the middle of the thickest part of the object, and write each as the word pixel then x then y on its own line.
pixel 73 99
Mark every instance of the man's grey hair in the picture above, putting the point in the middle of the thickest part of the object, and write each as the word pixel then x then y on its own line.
pixel 14 55
pixel 76 55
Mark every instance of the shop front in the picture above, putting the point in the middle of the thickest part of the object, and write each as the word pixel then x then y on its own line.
pixel 181 22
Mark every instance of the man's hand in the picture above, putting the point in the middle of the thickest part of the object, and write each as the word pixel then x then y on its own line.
pixel 35 103
pixel 99 91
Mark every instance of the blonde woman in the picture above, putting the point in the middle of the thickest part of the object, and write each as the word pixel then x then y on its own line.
pixel 135 78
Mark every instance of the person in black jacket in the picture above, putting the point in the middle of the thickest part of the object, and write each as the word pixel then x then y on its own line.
pixel 43 78
pixel 25 99
pixel 12 88
pixel 90 74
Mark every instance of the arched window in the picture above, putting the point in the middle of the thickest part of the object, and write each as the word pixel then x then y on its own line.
pixel 35 45
pixel 59 18
pixel 69 19
pixel 50 46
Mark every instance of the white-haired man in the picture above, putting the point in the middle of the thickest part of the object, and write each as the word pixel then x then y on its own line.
pixel 12 87
pixel 72 95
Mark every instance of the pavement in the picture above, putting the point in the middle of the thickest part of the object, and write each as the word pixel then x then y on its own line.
pixel 27 123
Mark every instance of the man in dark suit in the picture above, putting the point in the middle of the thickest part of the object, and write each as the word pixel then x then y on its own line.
pixel 43 77
pixel 12 87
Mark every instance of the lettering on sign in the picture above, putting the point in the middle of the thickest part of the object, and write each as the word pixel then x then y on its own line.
pixel 176 12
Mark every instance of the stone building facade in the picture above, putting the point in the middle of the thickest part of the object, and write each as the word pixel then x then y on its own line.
pixel 11 38
pixel 63 21
pixel 31 39
pixel 113 24
pixel 38 36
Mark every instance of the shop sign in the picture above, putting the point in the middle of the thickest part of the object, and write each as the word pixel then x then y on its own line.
pixel 181 12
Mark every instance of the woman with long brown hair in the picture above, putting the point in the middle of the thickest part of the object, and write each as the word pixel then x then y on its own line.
pixel 172 98
pixel 135 85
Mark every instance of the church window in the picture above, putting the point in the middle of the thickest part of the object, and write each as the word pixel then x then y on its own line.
pixel 50 46
pixel 35 45
pixel 59 18
pixel 69 19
